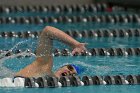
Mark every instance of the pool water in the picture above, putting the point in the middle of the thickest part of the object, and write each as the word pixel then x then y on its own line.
pixel 90 89
pixel 94 65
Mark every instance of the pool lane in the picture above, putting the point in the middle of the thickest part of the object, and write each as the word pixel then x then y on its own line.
pixel 31 43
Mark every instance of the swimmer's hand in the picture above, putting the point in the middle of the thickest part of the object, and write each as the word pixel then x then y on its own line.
pixel 79 48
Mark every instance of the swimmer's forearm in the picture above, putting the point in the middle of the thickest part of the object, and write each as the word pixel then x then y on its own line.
pixel 55 33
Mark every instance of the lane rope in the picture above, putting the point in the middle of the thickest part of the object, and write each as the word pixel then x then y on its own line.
pixel 108 18
pixel 56 9
pixel 66 52
pixel 131 32
pixel 69 81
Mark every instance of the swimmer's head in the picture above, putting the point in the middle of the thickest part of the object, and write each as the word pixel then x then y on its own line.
pixel 68 70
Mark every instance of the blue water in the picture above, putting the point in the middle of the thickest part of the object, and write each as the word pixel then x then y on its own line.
pixel 94 65
pixel 92 43
pixel 89 89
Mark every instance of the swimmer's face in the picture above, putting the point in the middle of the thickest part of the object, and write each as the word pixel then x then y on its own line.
pixel 66 70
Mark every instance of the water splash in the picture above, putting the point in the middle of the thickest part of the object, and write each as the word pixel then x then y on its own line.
pixel 23 54
pixel 14 47
pixel 4 71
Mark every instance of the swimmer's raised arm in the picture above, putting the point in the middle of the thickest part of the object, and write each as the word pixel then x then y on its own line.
pixel 45 42
pixel 57 34
pixel 43 63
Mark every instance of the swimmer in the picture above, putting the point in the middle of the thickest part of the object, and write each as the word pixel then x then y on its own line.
pixel 44 59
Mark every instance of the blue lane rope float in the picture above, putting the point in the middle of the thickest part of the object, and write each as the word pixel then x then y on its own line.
pixel 69 81
pixel 131 32
pixel 89 52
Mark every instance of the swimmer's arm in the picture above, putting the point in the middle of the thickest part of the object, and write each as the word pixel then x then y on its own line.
pixel 44 50
pixel 57 34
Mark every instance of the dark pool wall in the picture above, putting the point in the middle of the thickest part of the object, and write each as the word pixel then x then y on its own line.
pixel 43 2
